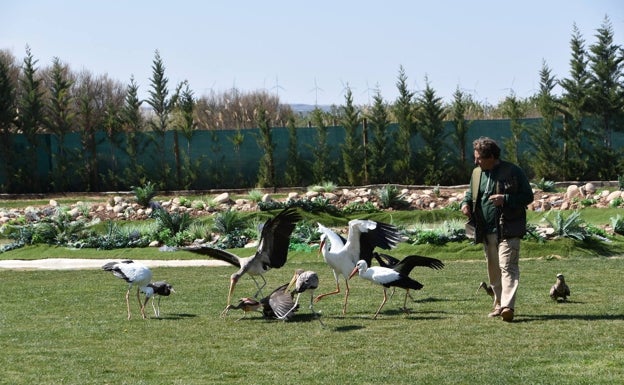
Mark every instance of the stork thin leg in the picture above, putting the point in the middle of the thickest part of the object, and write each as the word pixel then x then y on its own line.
pixel 128 302
pixel 346 299
pixel 405 309
pixel 316 315
pixel 409 294
pixel 156 312
pixel 145 304
pixel 142 305
pixel 259 292
pixel 382 303
pixel 292 308
pixel 321 296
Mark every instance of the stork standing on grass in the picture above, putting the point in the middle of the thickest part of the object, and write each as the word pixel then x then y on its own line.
pixel 342 255
pixel 271 252
pixel 161 289
pixel 397 276
pixel 136 274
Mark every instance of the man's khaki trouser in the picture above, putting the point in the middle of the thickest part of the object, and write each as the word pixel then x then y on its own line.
pixel 503 270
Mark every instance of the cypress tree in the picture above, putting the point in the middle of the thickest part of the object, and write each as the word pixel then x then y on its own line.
pixel 161 105
pixel 403 112
pixel 546 149
pixel 7 120
pixel 30 121
pixel 430 117
pixel 59 121
pixel 379 155
pixel 292 174
pixel 266 171
pixel 352 149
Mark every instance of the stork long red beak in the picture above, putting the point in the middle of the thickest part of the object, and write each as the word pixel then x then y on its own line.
pixel 321 246
pixel 355 270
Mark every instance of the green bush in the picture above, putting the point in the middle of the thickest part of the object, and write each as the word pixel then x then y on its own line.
pixel 571 226
pixel 544 185
pixel 144 194
pixel 390 197
pixel 617 224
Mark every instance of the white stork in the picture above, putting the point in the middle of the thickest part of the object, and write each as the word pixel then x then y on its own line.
pixel 363 237
pixel 136 274
pixel 396 276
pixel 271 252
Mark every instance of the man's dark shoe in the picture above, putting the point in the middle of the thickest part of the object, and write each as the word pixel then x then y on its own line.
pixel 507 314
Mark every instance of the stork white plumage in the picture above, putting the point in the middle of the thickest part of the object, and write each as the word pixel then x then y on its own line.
pixel 342 255
pixel 395 276
pixel 136 274
pixel 271 252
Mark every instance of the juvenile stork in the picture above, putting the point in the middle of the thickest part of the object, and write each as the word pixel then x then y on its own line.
pixel 161 289
pixel 271 252
pixel 302 281
pixel 342 255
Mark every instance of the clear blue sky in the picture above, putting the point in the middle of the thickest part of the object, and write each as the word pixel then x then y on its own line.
pixel 309 51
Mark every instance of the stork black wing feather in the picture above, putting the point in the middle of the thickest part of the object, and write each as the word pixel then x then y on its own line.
pixel 275 237
pixel 405 282
pixel 222 255
pixel 408 263
pixel 384 236
pixel 385 260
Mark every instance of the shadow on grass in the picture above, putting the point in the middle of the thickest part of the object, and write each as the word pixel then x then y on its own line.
pixel 177 316
pixel 570 317
pixel 348 328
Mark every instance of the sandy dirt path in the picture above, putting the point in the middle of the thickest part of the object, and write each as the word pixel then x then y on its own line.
pixel 82 264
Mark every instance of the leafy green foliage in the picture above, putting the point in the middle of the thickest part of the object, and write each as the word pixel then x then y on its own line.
pixel 316 205
pixel 545 185
pixel 228 221
pixel 617 202
pixel 390 197
pixel 571 226
pixel 115 237
pixel 617 224
pixel 359 207
pixel 171 226
pixel 144 194
pixel 255 195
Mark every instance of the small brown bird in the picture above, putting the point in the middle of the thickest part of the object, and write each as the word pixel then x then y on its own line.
pixel 560 289
pixel 246 305
pixel 488 289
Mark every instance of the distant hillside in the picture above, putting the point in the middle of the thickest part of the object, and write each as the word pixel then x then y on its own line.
pixel 307 108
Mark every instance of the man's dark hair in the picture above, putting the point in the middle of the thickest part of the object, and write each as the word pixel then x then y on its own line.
pixel 486 147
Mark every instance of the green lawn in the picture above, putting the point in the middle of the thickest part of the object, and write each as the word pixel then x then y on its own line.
pixel 70 327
